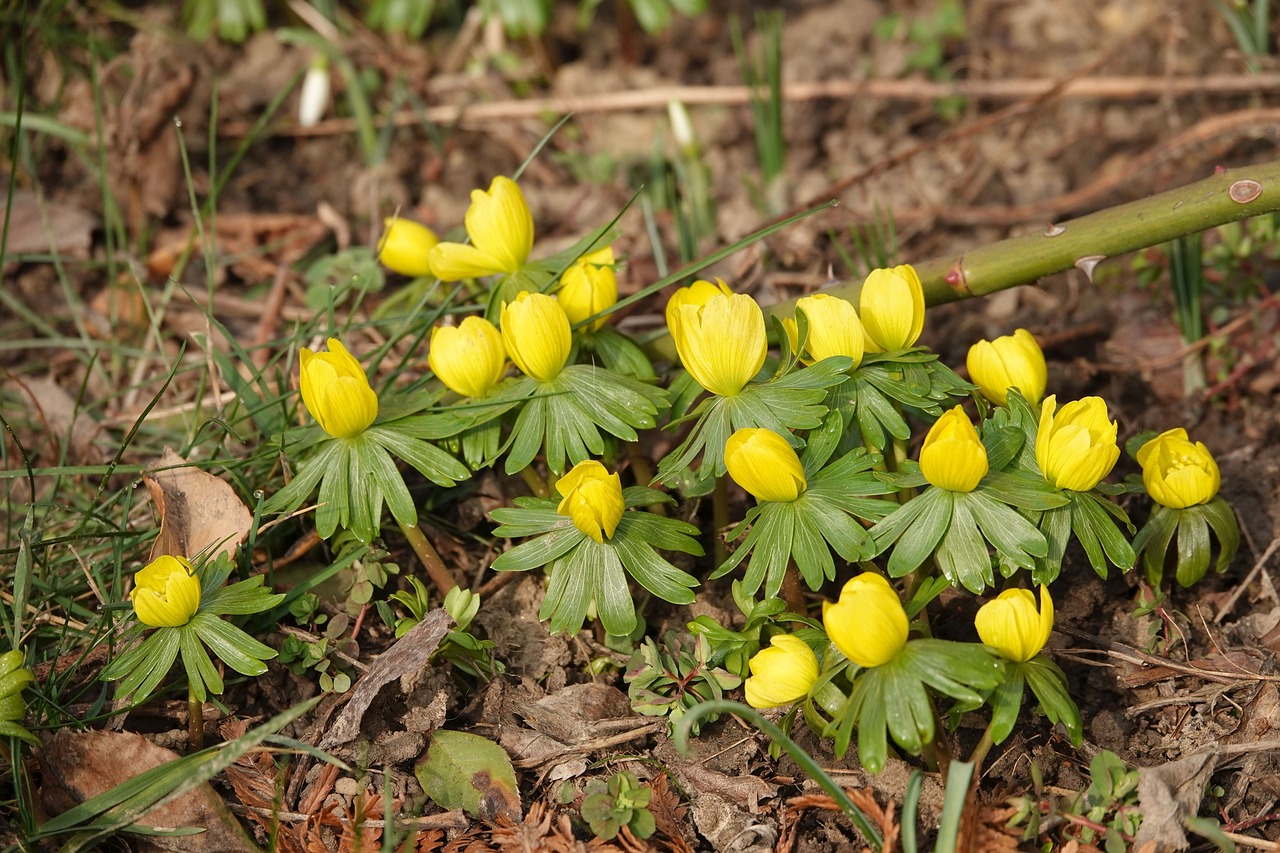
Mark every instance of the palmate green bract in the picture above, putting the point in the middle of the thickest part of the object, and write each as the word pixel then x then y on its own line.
pixel 1191 527
pixel 586 575
pixel 1048 684
pixel 141 669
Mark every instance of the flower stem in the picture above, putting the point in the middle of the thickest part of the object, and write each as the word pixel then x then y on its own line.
pixel 720 518
pixel 195 718
pixel 535 482
pixel 980 751
pixel 792 591
pixel 436 569
pixel 642 467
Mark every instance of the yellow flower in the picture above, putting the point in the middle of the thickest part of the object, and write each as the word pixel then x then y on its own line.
pixel 1011 625
pixel 1178 473
pixel 166 594
pixel 468 358
pixel 406 246
pixel 722 344
pixel 536 333
pixel 834 328
pixel 592 499
pixel 501 231
pixel 782 673
pixel 589 287
pixel 867 624
pixel 1012 361
pixel 336 392
pixel 697 294
pixel 892 307
pixel 953 457
pixel 1077 447
pixel 763 463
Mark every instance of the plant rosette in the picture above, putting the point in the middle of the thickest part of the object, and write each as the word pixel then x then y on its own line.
pixel 175 590
pixel 734 649
pixel 590 540
pixel 801 515
pixel 362 437
pixel 972 501
pixel 1182 479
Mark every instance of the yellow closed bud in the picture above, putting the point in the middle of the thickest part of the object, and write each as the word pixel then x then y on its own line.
pixel 892 307
pixel 834 328
pixel 501 230
pixel 166 594
pixel 1077 447
pixel 722 343
pixel 406 246
pixel 468 358
pixel 336 392
pixel 1177 472
pixel 535 331
pixel 1013 627
pixel 697 294
pixel 953 457
pixel 592 499
pixel 589 287
pixel 867 624
pixel 762 462
pixel 1011 361
pixel 782 673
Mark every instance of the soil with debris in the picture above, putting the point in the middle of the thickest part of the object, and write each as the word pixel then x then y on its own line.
pixel 1196 674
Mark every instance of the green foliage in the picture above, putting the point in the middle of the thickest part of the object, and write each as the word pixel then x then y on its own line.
pixel 14 678
pixel 1110 803
pixel 465 651
pixel 331 280
pixel 617 802
pixel 1250 23
pixel 734 649
pixel 668 679
pixel 466 771
pixel 1189 529
pixel 234 20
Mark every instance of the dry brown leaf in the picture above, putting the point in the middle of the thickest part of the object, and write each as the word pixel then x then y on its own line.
pixel 80 765
pixel 198 511
pixel 58 411
pixel 668 814
pixel 1169 793
pixel 46 228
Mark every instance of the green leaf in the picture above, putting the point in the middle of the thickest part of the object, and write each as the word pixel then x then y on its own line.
pixel 1152 542
pixel 959 781
pixel 1006 704
pixel 144 670
pixel 809 548
pixel 1010 532
pixel 304 483
pixel 383 472
pixel 1117 548
pixel 1225 527
pixel 529 517
pixel 669 534
pixel 922 537
pixel 1055 524
pixel 650 570
pixel 962 554
pixel 468 772
pixel 1049 685
pixel 619 353
pixel 1022 490
pixel 233 647
pixel 527 434
pixel 1002 444
pixel 201 674
pixel 240 599
pixel 541 551
pixel 430 461
pixel 1193 547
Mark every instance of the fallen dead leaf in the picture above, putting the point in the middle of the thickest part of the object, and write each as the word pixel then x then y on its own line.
pixel 1169 793
pixel 78 766
pixel 198 511
pixel 62 421
pixel 38 227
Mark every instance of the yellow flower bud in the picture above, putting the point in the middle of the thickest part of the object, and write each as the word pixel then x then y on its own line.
pixel 892 307
pixel 867 624
pixel 406 246
pixel 763 463
pixel 1178 473
pixel 1012 361
pixel 1012 626
pixel 501 231
pixel 1077 447
pixel 589 287
pixel 536 334
pixel 834 328
pixel 592 499
pixel 468 358
pixel 697 294
pixel 722 344
pixel 336 392
pixel 166 594
pixel 953 457
pixel 782 673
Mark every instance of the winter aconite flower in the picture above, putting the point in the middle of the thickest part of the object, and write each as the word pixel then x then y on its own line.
pixel 537 336
pixel 406 246
pixel 1177 472
pixel 1076 447
pixel 468 358
pixel 1013 627
pixel 588 287
pixel 1011 361
pixel 892 307
pixel 722 343
pixel 592 499
pixel 336 391
pixel 834 328
pixel 867 624
pixel 763 463
pixel 697 294
pixel 501 231
pixel 953 457
pixel 782 673
pixel 166 594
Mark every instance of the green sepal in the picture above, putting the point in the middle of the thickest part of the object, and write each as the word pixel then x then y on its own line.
pixel 1049 685
pixel 141 669
pixel 1014 538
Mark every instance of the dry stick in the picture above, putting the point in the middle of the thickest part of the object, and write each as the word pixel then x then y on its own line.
pixel 641 100
pixel 1244 584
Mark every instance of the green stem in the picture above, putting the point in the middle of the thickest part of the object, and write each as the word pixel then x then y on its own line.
pixel 980 751
pixel 792 590
pixel 436 569
pixel 720 518
pixel 535 482
pixel 802 758
pixel 642 468
pixel 195 718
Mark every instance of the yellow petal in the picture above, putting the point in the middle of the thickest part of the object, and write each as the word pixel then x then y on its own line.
pixel 336 391
pixel 867 624
pixel 781 673
pixel 468 358
pixel 953 456
pixel 406 247
pixel 892 307
pixel 536 333
pixel 166 593
pixel 834 327
pixel 500 225
pixel 764 464
pixel 592 499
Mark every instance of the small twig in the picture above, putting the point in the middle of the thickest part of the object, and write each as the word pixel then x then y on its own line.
pixel 1244 584
pixel 446 820
pixel 312 638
